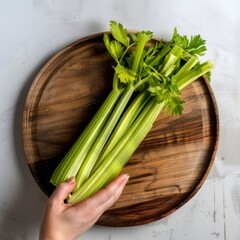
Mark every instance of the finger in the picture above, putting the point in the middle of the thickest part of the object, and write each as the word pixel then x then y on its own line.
pixel 63 189
pixel 112 192
pixel 106 197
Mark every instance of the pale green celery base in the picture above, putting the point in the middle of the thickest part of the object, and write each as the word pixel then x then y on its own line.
pixel 70 164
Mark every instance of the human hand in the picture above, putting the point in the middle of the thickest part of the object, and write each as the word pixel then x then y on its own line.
pixel 68 221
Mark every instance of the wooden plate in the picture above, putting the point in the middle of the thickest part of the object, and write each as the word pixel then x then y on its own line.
pixel 169 166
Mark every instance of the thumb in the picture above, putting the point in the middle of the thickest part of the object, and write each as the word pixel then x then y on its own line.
pixel 63 189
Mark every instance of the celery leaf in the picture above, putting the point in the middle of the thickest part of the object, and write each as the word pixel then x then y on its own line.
pixel 124 74
pixel 196 45
pixel 114 47
pixel 165 90
pixel 119 33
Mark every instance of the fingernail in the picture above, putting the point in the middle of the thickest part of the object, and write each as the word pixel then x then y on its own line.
pixel 71 180
pixel 126 177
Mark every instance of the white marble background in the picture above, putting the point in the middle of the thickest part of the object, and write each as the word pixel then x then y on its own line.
pixel 33 30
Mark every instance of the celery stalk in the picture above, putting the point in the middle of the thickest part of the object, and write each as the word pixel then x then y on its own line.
pixel 74 158
pixel 125 122
pixel 100 141
pixel 92 156
pixel 186 67
pixel 195 74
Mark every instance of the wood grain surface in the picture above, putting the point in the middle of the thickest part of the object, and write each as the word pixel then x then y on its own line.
pixel 169 166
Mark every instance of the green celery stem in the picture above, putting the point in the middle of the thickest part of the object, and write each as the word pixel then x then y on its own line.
pixel 186 67
pixel 100 141
pixel 161 54
pixel 138 53
pixel 194 74
pixel 70 164
pixel 125 122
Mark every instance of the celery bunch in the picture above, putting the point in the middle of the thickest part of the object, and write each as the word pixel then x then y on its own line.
pixel 147 79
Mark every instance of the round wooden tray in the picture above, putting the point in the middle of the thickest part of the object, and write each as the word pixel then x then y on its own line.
pixel 169 166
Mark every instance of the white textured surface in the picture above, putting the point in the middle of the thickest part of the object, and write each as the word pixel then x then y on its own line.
pixel 32 30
